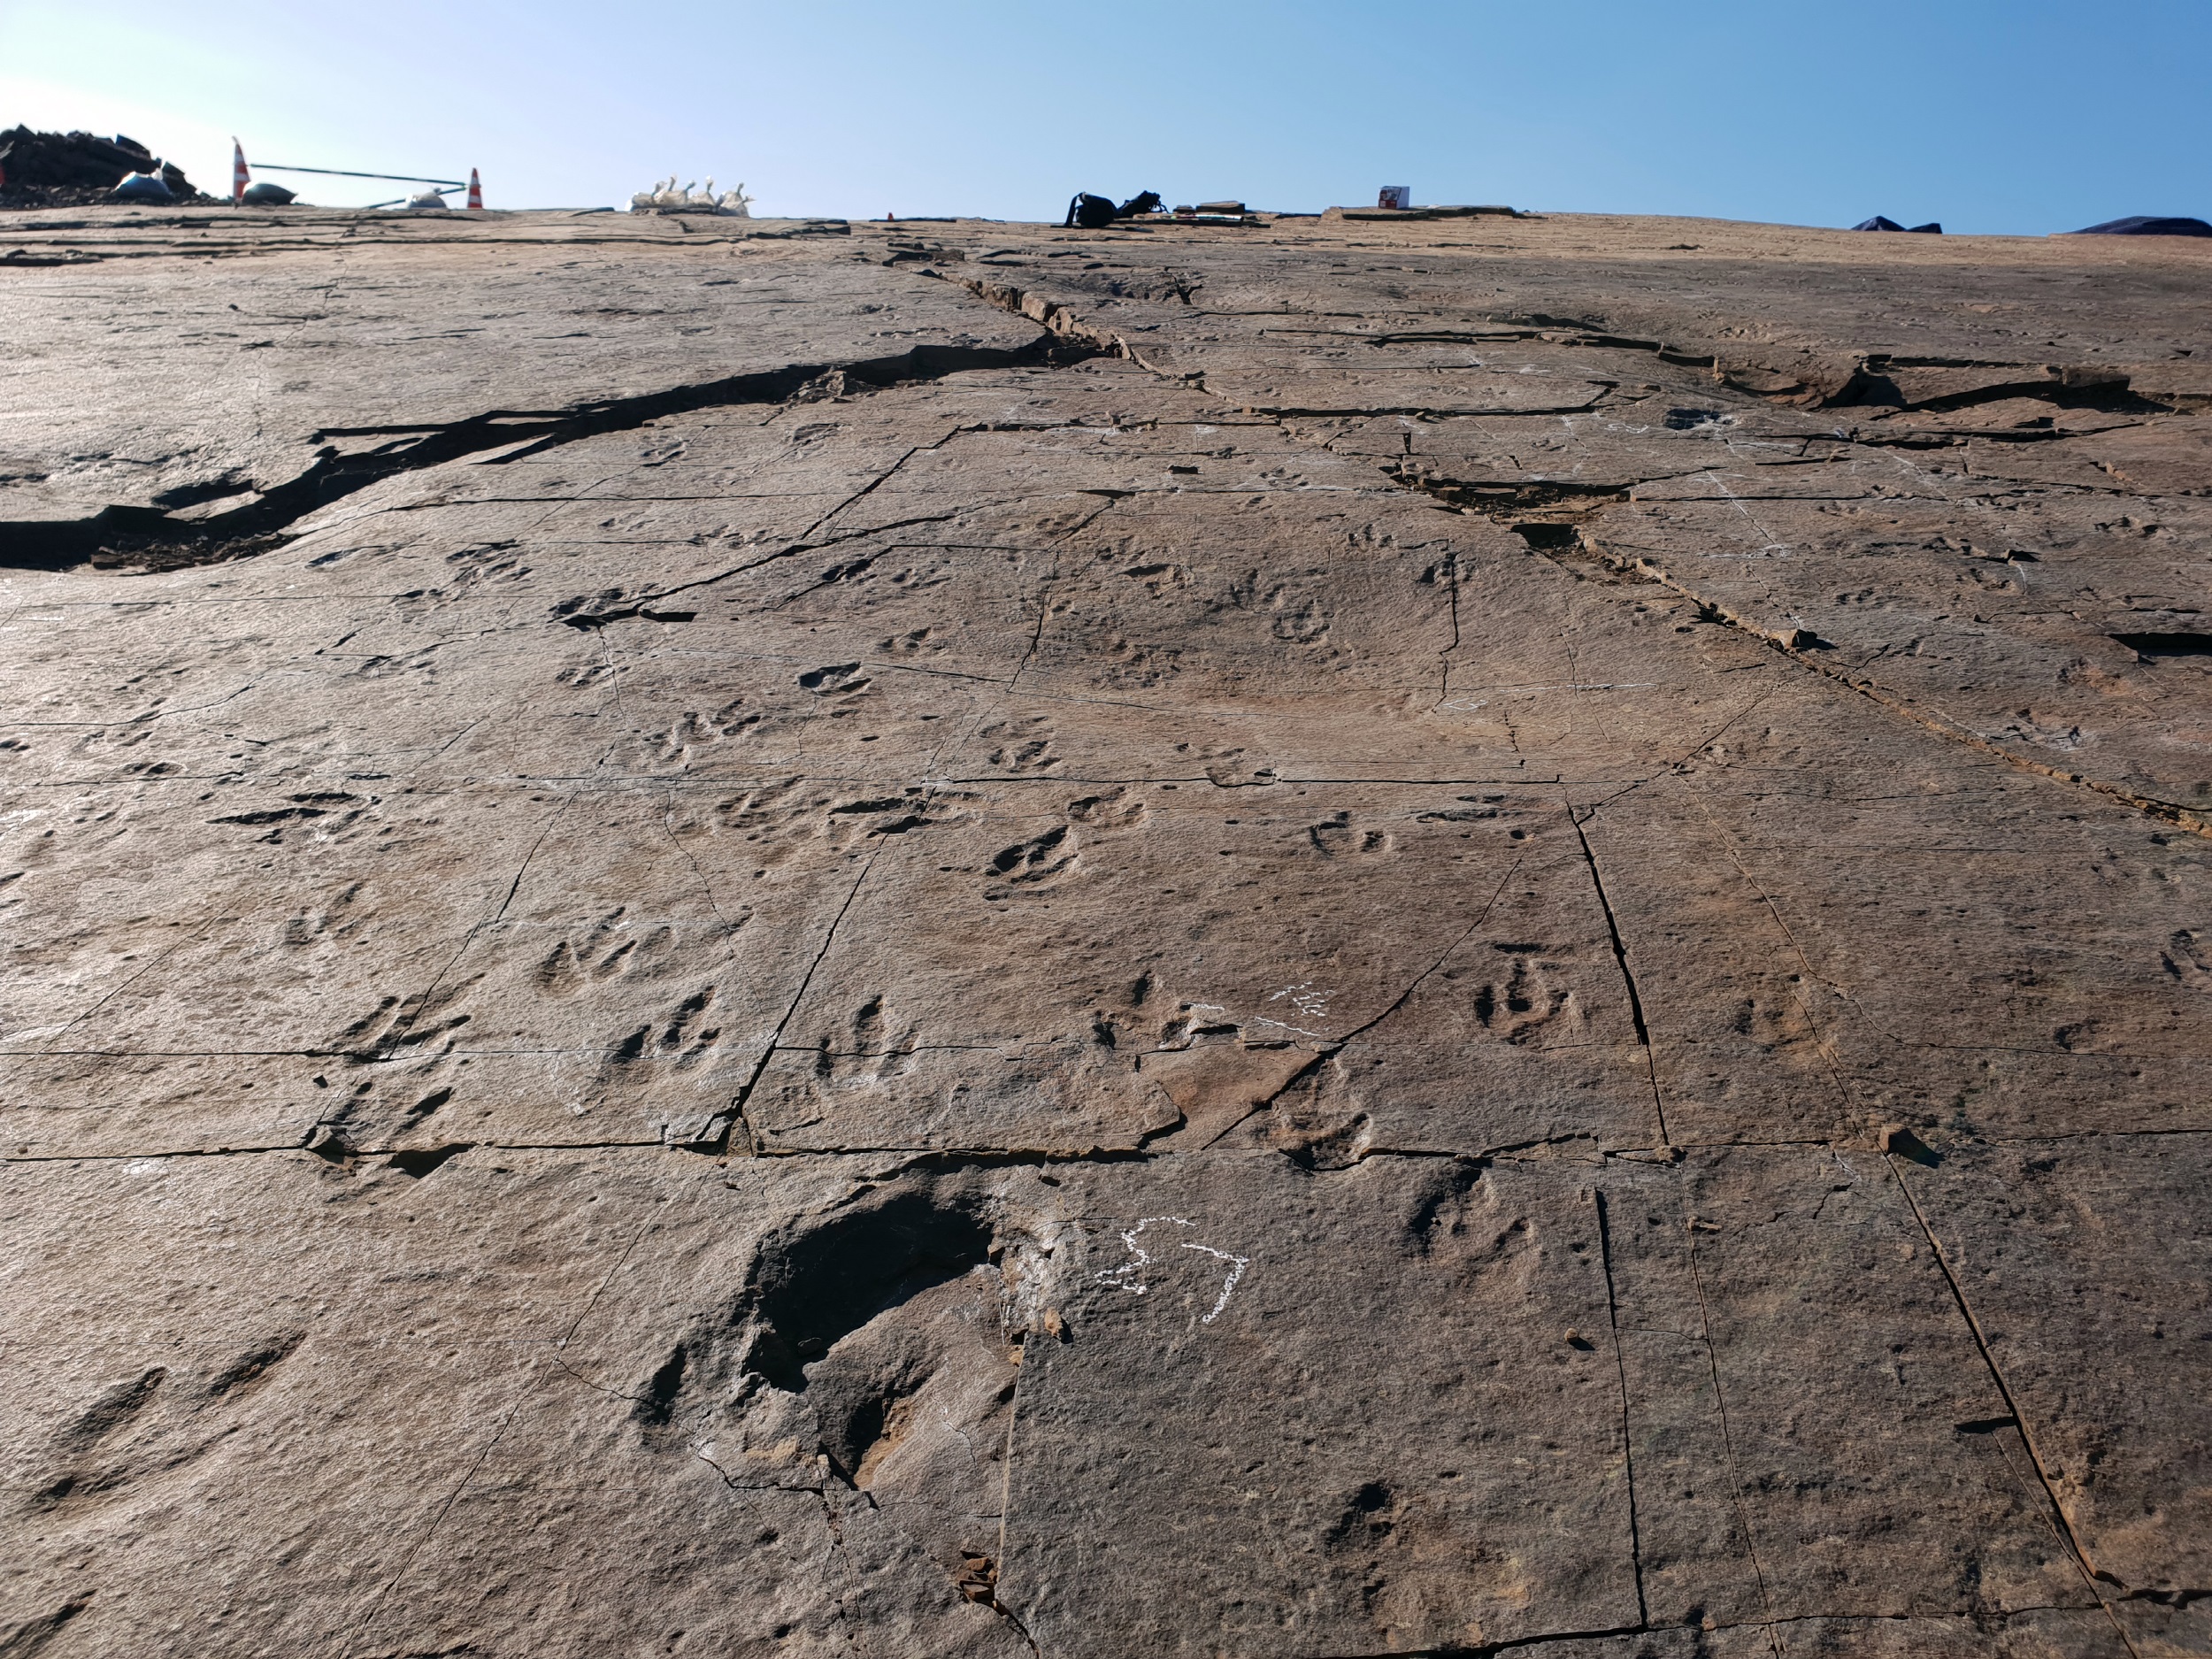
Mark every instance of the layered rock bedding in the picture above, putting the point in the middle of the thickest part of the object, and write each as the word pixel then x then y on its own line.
pixel 1307 939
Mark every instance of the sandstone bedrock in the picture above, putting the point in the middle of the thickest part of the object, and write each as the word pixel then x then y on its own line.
pixel 1293 940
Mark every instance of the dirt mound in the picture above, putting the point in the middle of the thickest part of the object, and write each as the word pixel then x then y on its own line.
pixel 75 169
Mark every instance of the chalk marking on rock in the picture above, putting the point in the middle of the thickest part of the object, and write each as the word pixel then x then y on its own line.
pixel 1310 1003
pixel 1236 1271
pixel 1125 1277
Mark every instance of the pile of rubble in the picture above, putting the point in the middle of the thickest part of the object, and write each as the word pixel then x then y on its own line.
pixel 77 169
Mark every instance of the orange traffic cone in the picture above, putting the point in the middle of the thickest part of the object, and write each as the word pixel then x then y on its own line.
pixel 237 174
pixel 476 191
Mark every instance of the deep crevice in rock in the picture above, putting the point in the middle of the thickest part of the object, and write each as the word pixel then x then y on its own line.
pixel 151 539
pixel 2150 647
pixel 1547 502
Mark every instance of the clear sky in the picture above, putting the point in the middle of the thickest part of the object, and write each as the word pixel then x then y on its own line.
pixel 2011 116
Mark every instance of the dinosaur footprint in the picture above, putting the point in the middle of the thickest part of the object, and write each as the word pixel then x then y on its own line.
pixel 677 1040
pixel 1034 864
pixel 1338 837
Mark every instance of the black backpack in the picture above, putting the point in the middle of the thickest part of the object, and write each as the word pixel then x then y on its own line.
pixel 1092 213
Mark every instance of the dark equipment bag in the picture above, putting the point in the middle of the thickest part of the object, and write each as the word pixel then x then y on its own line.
pixel 1092 213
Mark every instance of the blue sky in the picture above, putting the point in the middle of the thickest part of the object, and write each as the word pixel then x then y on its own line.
pixel 2023 117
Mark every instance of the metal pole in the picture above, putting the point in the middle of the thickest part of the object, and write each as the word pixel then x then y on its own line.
pixel 341 172
pixel 401 200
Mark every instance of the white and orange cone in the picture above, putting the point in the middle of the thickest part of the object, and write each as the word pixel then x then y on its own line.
pixel 237 173
pixel 476 192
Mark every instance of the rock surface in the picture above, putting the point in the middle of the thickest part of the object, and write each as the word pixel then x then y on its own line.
pixel 1307 939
